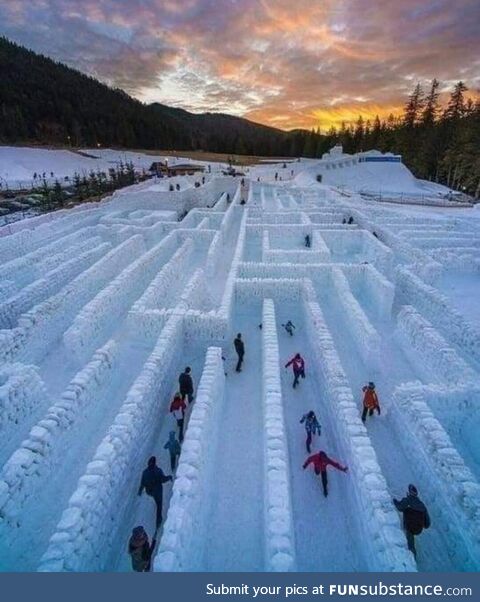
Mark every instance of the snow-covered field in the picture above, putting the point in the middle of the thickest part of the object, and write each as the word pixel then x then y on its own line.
pixel 18 165
pixel 102 307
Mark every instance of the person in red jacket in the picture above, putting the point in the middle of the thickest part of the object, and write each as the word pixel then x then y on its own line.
pixel 177 408
pixel 370 401
pixel 298 365
pixel 320 463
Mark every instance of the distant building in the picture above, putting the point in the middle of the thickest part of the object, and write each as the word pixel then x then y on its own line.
pixel 159 168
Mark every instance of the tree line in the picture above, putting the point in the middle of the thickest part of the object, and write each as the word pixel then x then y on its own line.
pixel 440 144
pixel 45 102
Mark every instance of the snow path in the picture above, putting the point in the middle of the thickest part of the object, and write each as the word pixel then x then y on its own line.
pixel 235 541
pixel 322 526
pixel 437 546
pixel 141 510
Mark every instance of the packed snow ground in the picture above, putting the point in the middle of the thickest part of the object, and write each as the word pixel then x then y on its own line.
pixel 102 307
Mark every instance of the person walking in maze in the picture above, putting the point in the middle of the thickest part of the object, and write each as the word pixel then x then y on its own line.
pixel 152 481
pixel 289 327
pixel 308 243
pixel 415 516
pixel 185 383
pixel 174 449
pixel 320 463
pixel 140 550
pixel 370 401
pixel 312 427
pixel 240 349
pixel 177 408
pixel 298 365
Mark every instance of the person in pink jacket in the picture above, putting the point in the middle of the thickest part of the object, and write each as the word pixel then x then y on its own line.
pixel 298 365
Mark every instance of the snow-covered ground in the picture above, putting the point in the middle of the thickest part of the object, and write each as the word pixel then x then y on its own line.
pixel 18 165
pixel 102 307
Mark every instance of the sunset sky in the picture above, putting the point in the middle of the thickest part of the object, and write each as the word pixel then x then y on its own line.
pixel 286 63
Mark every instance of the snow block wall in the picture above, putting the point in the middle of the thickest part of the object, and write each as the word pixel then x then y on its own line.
pixel 93 322
pixel 364 334
pixel 42 288
pixel 373 287
pixel 455 483
pixel 374 507
pixel 423 342
pixel 182 547
pixel 21 391
pixel 429 301
pixel 39 327
pixel 279 531
pixel 85 532
pixel 42 449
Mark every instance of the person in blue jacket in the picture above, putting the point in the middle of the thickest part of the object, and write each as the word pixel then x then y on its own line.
pixel 312 427
pixel 174 449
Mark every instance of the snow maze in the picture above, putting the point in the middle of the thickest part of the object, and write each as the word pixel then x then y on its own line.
pixel 102 307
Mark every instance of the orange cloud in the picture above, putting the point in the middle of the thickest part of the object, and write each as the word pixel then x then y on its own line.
pixel 307 64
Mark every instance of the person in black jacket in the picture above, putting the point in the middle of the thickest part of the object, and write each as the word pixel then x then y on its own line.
pixel 186 384
pixel 415 516
pixel 152 481
pixel 140 550
pixel 240 349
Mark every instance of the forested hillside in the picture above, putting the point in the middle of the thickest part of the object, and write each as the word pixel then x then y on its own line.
pixel 45 102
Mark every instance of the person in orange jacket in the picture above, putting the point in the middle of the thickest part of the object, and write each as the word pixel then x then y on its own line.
pixel 177 408
pixel 370 401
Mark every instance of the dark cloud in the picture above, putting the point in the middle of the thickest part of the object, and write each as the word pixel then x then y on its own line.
pixel 286 63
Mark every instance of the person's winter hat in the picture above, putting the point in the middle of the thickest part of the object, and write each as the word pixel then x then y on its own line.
pixel 298 356
pixel 152 461
pixel 371 385
pixel 172 434
pixel 412 490
pixel 139 537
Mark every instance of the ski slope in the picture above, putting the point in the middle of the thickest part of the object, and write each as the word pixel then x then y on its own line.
pixel 101 308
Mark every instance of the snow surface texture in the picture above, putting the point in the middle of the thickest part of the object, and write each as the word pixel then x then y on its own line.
pixel 102 307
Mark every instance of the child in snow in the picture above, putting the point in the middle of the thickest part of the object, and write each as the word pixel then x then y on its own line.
pixel 370 401
pixel 177 408
pixel 312 427
pixel 140 550
pixel 308 243
pixel 289 327
pixel 415 516
pixel 174 449
pixel 320 463
pixel 298 366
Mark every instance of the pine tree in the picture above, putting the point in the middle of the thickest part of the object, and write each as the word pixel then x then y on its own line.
pixel 456 104
pixel 430 110
pixel 58 195
pixel 413 107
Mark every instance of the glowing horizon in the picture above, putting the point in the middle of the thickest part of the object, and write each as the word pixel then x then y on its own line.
pixel 311 64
